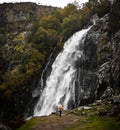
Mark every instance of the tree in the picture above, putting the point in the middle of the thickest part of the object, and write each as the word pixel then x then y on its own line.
pixel 70 25
pixel 50 22
pixel 70 9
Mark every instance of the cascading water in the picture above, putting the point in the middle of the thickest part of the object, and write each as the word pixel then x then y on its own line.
pixel 61 84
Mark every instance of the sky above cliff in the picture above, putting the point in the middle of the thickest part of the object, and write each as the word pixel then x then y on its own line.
pixel 57 3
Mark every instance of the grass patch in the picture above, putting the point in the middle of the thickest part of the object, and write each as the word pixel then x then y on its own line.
pixel 96 123
pixel 31 123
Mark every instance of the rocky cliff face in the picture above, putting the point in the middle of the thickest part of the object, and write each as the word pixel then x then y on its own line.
pixel 87 67
pixel 16 21
pixel 102 48
pixel 115 40
pixel 20 16
pixel 108 51
pixel 96 68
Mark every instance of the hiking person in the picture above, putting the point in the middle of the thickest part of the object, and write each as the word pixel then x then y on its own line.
pixel 60 109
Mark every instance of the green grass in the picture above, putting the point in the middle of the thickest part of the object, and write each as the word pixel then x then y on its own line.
pixel 96 123
pixel 85 122
pixel 31 123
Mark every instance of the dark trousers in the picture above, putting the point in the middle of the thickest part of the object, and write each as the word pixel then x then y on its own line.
pixel 60 113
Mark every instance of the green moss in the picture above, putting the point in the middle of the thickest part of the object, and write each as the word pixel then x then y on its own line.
pixel 30 124
pixel 96 123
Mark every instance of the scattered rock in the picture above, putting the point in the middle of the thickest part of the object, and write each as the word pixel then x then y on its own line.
pixel 84 108
pixel 83 113
pixel 116 100
pixel 97 102
pixel 115 111
pixel 87 108
pixel 108 93
pixel 102 112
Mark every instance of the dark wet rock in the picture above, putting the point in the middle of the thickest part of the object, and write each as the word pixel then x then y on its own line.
pixel 108 51
pixel 115 111
pixel 4 127
pixel 116 100
pixel 102 113
pixel 16 123
pixel 108 93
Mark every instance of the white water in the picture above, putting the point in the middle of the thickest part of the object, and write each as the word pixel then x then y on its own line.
pixel 60 85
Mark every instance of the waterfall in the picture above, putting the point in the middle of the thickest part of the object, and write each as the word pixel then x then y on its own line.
pixel 60 85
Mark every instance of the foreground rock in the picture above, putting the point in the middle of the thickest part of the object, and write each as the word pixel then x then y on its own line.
pixel 4 127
